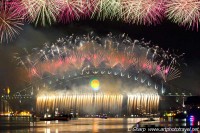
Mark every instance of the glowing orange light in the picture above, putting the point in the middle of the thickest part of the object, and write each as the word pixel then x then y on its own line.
pixel 94 83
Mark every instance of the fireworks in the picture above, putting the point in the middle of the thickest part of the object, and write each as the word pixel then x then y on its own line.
pixel 21 9
pixel 89 103
pixel 147 103
pixel 77 57
pixel 75 9
pixel 184 12
pixel 85 103
pixel 70 10
pixel 41 11
pixel 10 22
pixel 108 9
pixel 143 11
pixel 88 7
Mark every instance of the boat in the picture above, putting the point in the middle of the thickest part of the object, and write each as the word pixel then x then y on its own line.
pixel 150 122
pixel 104 116
pixel 53 118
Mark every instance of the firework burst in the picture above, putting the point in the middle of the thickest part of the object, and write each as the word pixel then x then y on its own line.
pixel 10 22
pixel 146 12
pixel 143 11
pixel 41 11
pixel 108 9
pixel 184 12
pixel 71 10
pixel 21 9
pixel 76 56
pixel 88 7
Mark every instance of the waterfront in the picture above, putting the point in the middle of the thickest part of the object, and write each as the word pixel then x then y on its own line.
pixel 94 125
pixel 81 125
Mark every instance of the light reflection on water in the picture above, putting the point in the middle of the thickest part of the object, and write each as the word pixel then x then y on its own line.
pixel 87 125
pixel 79 125
pixel 94 125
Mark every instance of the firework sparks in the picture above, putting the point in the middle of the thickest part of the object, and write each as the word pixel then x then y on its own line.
pixel 70 10
pixel 143 11
pixel 21 10
pixel 76 57
pixel 88 7
pixel 10 23
pixel 75 9
pixel 146 12
pixel 41 11
pixel 108 9
pixel 184 12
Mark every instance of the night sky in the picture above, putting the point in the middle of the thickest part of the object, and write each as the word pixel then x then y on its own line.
pixel 166 35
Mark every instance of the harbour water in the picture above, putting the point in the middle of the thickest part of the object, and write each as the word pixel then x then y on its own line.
pixel 81 125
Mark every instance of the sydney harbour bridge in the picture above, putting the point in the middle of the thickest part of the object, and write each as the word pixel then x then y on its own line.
pixel 93 75
pixel 27 99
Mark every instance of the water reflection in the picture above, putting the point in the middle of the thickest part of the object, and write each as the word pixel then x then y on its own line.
pixel 93 125
pixel 47 130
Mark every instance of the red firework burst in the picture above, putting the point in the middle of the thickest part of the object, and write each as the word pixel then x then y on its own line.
pixel 74 9
pixel 10 22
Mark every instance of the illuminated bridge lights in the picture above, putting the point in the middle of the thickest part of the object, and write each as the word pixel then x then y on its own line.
pixel 6 97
